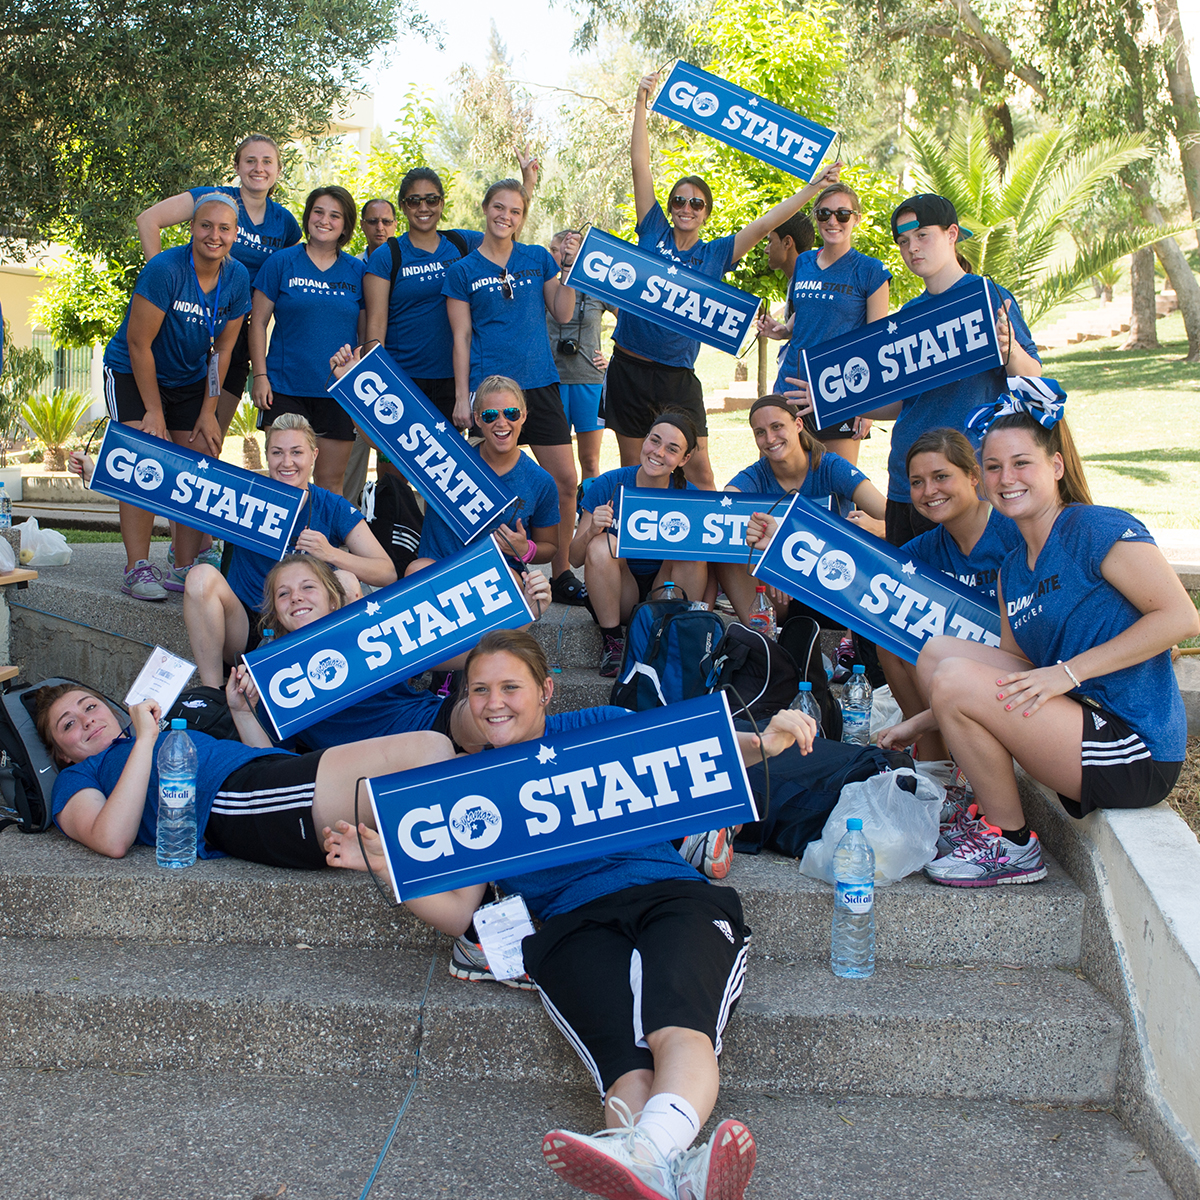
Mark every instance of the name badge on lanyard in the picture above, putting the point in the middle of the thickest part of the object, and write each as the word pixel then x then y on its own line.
pixel 210 319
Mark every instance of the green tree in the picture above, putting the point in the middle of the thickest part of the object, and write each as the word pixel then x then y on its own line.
pixel 25 370
pixel 82 302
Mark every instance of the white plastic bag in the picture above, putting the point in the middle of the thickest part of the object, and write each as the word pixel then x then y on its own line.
pixel 884 711
pixel 8 560
pixel 49 548
pixel 899 812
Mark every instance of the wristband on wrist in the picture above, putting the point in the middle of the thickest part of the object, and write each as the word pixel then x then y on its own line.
pixel 1070 674
pixel 530 551
pixel 261 375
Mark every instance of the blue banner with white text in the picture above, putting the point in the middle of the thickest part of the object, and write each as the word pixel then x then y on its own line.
pixel 923 346
pixel 740 119
pixel 464 491
pixel 200 492
pixel 686 526
pixel 880 591
pixel 386 637
pixel 631 782
pixel 664 292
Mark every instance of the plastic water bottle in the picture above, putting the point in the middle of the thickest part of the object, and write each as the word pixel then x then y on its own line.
pixel 670 591
pixel 175 845
pixel 762 613
pixel 5 508
pixel 806 702
pixel 856 708
pixel 852 954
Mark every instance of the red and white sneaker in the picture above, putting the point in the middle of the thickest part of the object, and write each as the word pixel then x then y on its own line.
pixel 710 853
pixel 718 1170
pixel 619 1164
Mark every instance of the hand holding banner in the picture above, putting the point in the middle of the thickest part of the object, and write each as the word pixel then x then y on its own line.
pixel 465 492
pixel 740 119
pixel 670 295
pixel 686 526
pixel 878 590
pixel 943 339
pixel 197 491
pixel 545 803
pixel 386 637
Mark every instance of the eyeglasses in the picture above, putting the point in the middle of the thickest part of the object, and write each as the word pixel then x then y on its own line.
pixel 694 202
pixel 490 416
pixel 842 214
pixel 430 200
pixel 506 287
pixel 379 220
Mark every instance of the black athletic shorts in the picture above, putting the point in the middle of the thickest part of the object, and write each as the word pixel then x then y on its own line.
pixel 239 362
pixel 637 390
pixel 263 812
pixel 439 393
pixel 1118 771
pixel 644 958
pixel 545 422
pixel 831 433
pixel 902 523
pixel 327 417
pixel 181 406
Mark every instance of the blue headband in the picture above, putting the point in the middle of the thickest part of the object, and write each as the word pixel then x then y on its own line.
pixel 1041 399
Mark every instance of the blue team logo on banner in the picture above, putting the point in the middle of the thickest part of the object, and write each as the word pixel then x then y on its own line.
pixel 664 292
pixel 201 492
pixel 743 120
pixel 386 637
pixel 464 491
pixel 946 338
pixel 630 782
pixel 878 590
pixel 685 526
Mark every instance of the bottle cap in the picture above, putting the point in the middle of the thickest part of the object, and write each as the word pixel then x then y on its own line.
pixel 178 723
pixel 859 669
pixel 806 686
pixel 854 823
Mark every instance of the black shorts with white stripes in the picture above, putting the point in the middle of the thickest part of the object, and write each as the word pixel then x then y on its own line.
pixel 1118 771
pixel 263 812
pixel 642 959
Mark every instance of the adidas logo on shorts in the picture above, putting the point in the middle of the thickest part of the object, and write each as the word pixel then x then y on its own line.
pixel 726 929
pixel 1098 721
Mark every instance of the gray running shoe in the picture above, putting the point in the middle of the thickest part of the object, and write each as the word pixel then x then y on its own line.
pixel 985 858
pixel 967 822
pixel 710 853
pixel 610 660
pixel 143 581
pixel 468 961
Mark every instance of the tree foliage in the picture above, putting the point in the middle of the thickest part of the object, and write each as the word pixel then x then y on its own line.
pixel 25 370
pixel 82 302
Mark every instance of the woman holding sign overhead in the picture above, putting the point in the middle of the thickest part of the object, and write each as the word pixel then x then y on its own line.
pixel 164 368
pixel 651 367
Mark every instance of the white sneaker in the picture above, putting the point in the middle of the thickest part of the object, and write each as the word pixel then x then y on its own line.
pixel 143 581
pixel 718 1170
pixel 619 1164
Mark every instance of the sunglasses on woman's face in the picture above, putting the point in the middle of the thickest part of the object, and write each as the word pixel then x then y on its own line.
pixel 842 214
pixel 490 416
pixel 695 202
pixel 430 200
pixel 506 288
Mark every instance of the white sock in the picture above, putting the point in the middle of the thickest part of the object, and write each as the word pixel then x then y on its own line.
pixel 670 1122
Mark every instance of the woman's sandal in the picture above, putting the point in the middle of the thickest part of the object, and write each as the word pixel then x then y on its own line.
pixel 567 588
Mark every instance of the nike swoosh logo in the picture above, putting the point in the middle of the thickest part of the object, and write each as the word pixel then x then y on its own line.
pixel 44 770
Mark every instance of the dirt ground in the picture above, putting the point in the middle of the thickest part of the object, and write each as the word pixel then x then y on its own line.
pixel 1185 799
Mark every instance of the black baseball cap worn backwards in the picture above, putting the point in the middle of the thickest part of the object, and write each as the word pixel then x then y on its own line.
pixel 929 209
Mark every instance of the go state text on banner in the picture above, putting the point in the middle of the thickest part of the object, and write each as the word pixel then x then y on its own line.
pixel 686 526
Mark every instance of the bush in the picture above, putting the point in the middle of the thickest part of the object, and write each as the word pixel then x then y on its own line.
pixel 53 420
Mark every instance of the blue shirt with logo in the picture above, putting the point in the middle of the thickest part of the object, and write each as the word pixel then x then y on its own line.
pixel 829 301
pixel 508 336
pixel 256 243
pixel 316 313
pixel 181 345
pixel 605 489
pixel 537 508
pixel 398 709
pixel 561 889
pixel 1063 606
pixel 640 336
pixel 950 405
pixel 830 484
pixel 980 569
pixel 418 331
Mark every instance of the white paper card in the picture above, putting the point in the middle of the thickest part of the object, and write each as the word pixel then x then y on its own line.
pixel 163 677
pixel 501 927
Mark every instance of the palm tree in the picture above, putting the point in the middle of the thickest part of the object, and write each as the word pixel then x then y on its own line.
pixel 1019 214
pixel 52 420
pixel 245 426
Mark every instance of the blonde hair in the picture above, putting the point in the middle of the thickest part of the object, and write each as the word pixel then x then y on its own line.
pixel 495 385
pixel 289 422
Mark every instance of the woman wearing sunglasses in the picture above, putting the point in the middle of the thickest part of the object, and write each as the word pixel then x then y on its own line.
pixel 835 290
pixel 497 298
pixel 651 367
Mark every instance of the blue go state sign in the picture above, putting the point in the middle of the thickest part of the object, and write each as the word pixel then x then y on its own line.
pixel 686 526
pixel 631 782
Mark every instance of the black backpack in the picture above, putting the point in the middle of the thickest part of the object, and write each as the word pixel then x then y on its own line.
pixel 761 672
pixel 389 507
pixel 455 239
pixel 205 710
pixel 801 638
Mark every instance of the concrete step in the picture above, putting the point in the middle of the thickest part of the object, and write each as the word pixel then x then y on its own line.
pixel 54 889
pixel 205 1136
pixel 1034 1034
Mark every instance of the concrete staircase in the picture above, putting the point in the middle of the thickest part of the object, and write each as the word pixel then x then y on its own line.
pixel 242 1032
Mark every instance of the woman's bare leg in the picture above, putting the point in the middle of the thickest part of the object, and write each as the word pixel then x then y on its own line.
pixel 216 623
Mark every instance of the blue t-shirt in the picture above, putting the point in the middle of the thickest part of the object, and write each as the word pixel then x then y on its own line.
pixel 256 243
pixel 1065 606
pixel 640 336
pixel 316 313
pixel 331 515
pixel 508 337
pixel 398 709
pixel 181 344
pixel 418 330
pixel 980 569
pixel 950 405
pixel 218 758
pixel 537 507
pixel 603 490
pixel 561 889
pixel 829 301
pixel 830 484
